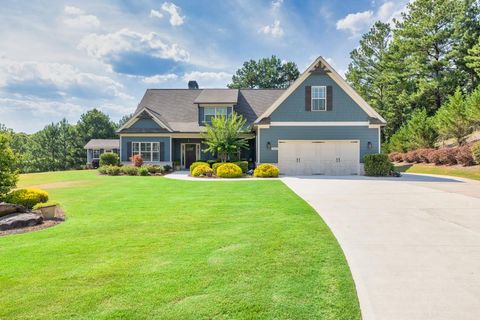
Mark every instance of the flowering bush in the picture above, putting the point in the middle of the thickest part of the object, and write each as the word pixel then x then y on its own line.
pixel 229 170
pixel 202 170
pixel 137 160
pixel 266 171
pixel 27 197
pixel 196 164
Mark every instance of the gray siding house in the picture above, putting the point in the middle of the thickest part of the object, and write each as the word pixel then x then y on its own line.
pixel 318 125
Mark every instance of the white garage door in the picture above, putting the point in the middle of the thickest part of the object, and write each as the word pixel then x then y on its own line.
pixel 331 158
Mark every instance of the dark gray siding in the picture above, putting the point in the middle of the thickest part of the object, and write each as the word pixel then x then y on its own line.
pixel 343 107
pixel 273 134
pixel 165 152
pixel 145 124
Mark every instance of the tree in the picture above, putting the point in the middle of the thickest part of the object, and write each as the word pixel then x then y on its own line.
pixel 473 107
pixel 123 120
pixel 473 58
pixel 8 174
pixel 95 125
pixel 265 73
pixel 224 136
pixel 451 119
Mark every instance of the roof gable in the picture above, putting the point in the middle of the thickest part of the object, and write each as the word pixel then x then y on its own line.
pixel 145 120
pixel 321 67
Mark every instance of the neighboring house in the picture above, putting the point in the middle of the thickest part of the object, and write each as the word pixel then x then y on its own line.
pixel 319 125
pixel 96 147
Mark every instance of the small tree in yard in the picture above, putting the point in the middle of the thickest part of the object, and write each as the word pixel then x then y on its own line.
pixel 451 119
pixel 224 136
pixel 8 174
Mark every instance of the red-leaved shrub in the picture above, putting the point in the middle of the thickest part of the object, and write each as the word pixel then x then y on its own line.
pixel 434 157
pixel 392 156
pixel 446 156
pixel 137 160
pixel 411 157
pixel 424 154
pixel 464 156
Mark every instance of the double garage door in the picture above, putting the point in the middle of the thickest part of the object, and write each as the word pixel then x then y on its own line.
pixel 319 157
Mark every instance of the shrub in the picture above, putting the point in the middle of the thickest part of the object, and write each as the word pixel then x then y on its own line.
pixel 476 152
pixel 411 157
pixel 216 165
pixel 424 154
pixel 202 170
pixel 27 197
pixel 44 205
pixel 167 168
pixel 377 165
pixel 154 169
pixel 229 170
pixel 243 165
pixel 102 170
pixel 464 156
pixel 211 162
pixel 110 170
pixel 137 160
pixel 446 156
pixel 434 157
pixel 143 171
pixel 198 163
pixel 109 159
pixel 130 170
pixel 392 156
pixel 266 171
pixel 8 174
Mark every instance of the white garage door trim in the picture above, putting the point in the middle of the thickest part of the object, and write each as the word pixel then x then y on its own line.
pixel 299 157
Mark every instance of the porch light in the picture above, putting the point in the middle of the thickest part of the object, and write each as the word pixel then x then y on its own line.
pixel 369 145
pixel 269 145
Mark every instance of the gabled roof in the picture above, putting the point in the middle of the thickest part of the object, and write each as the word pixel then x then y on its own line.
pixel 229 96
pixel 107 144
pixel 321 64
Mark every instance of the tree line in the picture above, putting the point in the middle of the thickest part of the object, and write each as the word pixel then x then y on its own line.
pixel 59 146
pixel 422 73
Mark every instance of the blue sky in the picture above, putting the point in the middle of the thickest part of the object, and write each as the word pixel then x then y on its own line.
pixel 61 59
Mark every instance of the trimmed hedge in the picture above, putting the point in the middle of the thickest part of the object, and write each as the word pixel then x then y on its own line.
pixel 462 155
pixel 130 170
pixel 154 169
pixel 196 164
pixel 243 165
pixel 229 170
pixel 476 152
pixel 202 170
pixel 27 197
pixel 377 165
pixel 266 171
pixel 109 159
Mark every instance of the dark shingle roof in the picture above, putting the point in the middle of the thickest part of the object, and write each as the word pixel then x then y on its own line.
pixel 218 96
pixel 178 108
pixel 103 144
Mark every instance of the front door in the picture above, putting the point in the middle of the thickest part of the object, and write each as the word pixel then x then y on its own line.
pixel 190 154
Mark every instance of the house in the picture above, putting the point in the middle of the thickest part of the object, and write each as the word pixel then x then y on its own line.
pixel 96 147
pixel 318 125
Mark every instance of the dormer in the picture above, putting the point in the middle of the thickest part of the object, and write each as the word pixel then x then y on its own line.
pixel 215 103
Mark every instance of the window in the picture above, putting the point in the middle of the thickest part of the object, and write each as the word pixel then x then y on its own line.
pixel 149 151
pixel 95 154
pixel 210 113
pixel 319 98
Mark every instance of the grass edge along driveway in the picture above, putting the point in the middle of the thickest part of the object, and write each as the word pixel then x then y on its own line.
pixel 150 247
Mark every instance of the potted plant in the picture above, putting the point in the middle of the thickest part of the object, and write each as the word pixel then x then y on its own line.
pixel 48 209
pixel 176 165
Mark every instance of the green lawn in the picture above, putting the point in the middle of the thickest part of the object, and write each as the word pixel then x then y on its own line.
pixel 150 247
pixel 456 171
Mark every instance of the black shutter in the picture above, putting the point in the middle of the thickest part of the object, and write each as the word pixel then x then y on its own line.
pixel 308 98
pixel 162 151
pixel 129 151
pixel 329 98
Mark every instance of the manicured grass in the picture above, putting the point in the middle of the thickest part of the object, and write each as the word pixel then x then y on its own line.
pixel 456 171
pixel 154 248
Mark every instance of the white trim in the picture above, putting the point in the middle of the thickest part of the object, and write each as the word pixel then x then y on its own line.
pixel 151 150
pixel 173 135
pixel 320 141
pixel 258 145
pixel 324 99
pixel 379 141
pixel 120 149
pixel 216 109
pixel 319 124
pixel 182 152
pixel 135 118
pixel 335 77
pixel 171 149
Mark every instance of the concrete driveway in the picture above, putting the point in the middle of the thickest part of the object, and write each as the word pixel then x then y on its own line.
pixel 412 243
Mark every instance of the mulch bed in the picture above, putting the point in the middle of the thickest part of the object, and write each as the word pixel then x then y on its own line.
pixel 46 224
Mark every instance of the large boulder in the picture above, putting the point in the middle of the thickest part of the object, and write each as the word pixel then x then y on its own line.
pixel 8 208
pixel 19 220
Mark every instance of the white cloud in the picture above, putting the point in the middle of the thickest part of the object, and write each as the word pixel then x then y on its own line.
pixel 208 79
pixel 155 14
pixel 160 78
pixel 175 18
pixel 275 30
pixel 356 23
pixel 76 18
pixel 63 77
pixel 277 4
pixel 104 45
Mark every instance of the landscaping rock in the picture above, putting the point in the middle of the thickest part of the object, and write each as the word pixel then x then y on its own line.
pixel 19 220
pixel 8 208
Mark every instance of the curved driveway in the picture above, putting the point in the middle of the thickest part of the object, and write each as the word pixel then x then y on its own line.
pixel 412 243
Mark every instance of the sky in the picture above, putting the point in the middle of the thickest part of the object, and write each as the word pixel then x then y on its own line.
pixel 59 59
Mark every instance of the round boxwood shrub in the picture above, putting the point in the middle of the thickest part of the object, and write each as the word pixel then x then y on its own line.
pixel 229 170
pixel 130 170
pixel 266 171
pixel 216 165
pixel 27 197
pixel 243 165
pixel 109 159
pixel 476 152
pixel 202 170
pixel 196 164
pixel 377 165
